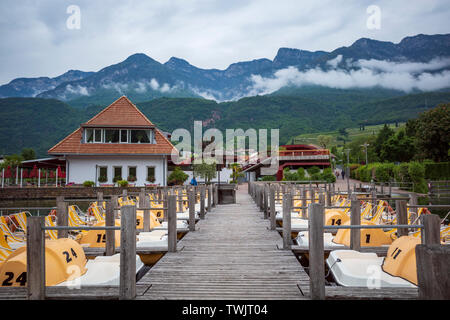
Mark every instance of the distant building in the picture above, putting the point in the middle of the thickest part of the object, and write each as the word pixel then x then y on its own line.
pixel 118 142
pixel 293 157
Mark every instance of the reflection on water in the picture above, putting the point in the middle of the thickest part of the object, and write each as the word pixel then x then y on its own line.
pixel 45 206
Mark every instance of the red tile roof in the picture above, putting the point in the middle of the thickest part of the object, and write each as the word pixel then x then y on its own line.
pixel 121 113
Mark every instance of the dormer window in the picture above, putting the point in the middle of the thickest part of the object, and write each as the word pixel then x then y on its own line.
pixel 94 135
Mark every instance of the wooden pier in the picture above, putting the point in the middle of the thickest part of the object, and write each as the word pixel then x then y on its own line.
pixel 231 255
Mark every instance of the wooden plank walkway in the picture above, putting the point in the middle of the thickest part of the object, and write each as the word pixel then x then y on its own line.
pixel 231 255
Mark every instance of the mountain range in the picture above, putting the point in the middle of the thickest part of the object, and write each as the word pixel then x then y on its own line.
pixel 365 64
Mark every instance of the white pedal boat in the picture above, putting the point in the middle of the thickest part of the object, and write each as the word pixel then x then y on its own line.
pixel 152 239
pixel 302 240
pixel 185 215
pixel 181 225
pixel 101 271
pixel 351 268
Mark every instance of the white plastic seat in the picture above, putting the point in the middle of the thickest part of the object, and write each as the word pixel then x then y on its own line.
pixel 362 269
pixel 102 271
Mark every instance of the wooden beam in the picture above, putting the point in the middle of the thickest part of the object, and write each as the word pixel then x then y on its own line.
pixel 272 207
pixel 287 204
pixel 355 219
pixel 402 216
pixel 127 288
pixel 62 216
pixel 191 203
pixel 110 245
pixel 316 251
pixel 172 223
pixel 35 258
pixel 433 275
pixel 431 231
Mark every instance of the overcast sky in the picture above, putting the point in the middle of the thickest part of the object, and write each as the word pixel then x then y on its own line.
pixel 36 41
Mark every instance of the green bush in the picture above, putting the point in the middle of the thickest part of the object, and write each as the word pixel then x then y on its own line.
pixel 102 179
pixel 290 176
pixel 122 183
pixel 328 175
pixel 416 172
pixel 88 183
pixel 268 178
pixel 316 176
pixel 313 170
pixel 384 172
pixel 437 171
pixel 177 177
pixel 301 173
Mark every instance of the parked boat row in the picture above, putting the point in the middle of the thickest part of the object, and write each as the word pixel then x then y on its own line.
pixel 362 269
pixel 66 260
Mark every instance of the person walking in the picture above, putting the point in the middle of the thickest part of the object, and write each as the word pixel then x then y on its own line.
pixel 343 174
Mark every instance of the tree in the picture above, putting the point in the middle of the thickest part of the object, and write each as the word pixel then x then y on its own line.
pixel 236 167
pixel 28 154
pixel 324 140
pixel 205 171
pixel 343 132
pixel 177 177
pixel 382 137
pixel 398 148
pixel 433 134
pixel 13 160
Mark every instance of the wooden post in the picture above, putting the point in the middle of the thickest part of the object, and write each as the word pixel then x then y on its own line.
pixel 304 203
pixel 272 207
pixel 431 231
pixel 209 198
pixel 433 277
pixel 355 219
pixel 62 216
pixel 316 252
pixel 413 211
pixel 374 198
pixel 35 258
pixel 266 202
pixel 216 194
pixel 202 202
pixel 287 203
pixel 322 198
pixel 172 223
pixel 180 200
pixel 114 204
pixel 147 204
pixel 329 197
pixel 191 203
pixel 127 288
pixel 402 217
pixel 99 197
pixel 124 194
pixel 313 195
pixel 110 246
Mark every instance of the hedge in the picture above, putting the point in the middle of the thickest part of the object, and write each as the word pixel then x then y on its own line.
pixel 404 174
pixel 437 171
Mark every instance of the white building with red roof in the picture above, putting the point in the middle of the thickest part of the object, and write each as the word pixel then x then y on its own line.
pixel 119 142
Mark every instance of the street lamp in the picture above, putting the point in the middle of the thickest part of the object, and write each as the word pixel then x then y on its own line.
pixel 365 145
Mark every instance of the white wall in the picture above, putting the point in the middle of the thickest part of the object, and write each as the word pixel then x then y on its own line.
pixel 83 168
